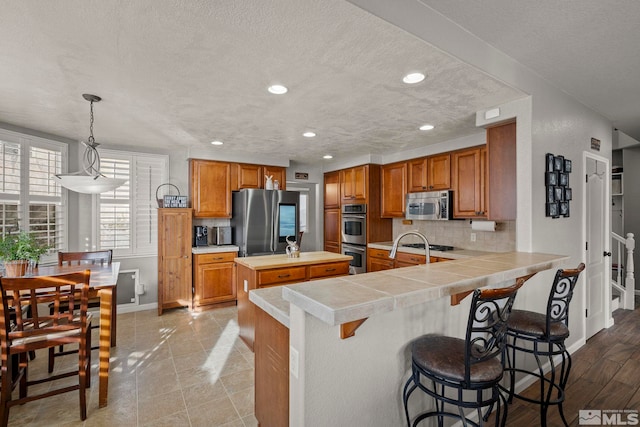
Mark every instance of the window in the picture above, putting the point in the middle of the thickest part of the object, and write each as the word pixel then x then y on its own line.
pixel 30 197
pixel 128 220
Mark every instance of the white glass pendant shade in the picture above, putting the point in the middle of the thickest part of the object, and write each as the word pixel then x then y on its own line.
pixel 90 181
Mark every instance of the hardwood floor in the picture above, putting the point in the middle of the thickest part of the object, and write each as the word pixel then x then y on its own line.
pixel 605 375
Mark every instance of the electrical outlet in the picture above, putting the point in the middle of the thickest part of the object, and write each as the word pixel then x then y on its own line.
pixel 293 361
pixel 246 286
pixel 473 237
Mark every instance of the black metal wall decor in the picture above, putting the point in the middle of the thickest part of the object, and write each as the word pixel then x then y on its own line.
pixel 556 178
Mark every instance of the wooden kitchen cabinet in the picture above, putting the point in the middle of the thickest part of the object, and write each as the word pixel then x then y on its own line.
pixel 394 188
pixel 174 258
pixel 439 172
pixel 469 185
pixel 332 190
pixel 501 171
pixel 214 278
pixel 378 259
pixel 210 188
pixel 431 173
pixel 245 175
pixel 354 183
pixel 277 173
pixel 332 230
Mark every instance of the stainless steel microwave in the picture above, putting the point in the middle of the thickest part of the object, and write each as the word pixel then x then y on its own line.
pixel 431 205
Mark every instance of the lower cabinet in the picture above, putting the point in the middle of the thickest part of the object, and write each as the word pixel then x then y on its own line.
pixel 214 278
pixel 378 260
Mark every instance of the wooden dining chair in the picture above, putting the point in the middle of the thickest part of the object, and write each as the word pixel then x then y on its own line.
pixel 35 330
pixel 79 258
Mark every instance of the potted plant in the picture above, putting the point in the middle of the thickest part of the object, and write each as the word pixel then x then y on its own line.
pixel 16 250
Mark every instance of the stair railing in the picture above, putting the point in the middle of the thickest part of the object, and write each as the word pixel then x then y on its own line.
pixel 625 283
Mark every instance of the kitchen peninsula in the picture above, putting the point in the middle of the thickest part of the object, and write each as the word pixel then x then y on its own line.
pixel 357 380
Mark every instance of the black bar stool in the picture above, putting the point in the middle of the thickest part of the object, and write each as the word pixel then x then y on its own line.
pixel 441 364
pixel 543 335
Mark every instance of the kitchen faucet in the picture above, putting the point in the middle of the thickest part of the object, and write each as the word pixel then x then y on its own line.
pixel 394 248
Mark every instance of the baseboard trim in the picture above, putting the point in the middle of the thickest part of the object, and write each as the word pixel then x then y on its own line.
pixel 131 308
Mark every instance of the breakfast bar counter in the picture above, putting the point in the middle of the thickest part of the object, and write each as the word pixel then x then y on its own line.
pixel 355 378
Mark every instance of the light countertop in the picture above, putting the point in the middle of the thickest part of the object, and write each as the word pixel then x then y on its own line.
pixel 270 300
pixel 347 298
pixel 454 254
pixel 211 249
pixel 281 260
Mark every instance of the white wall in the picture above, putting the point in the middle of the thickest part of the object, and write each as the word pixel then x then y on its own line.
pixel 632 200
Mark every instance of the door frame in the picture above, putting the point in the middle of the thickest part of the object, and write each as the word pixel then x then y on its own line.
pixel 608 318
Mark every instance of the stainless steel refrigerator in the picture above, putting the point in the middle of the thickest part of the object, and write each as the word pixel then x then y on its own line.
pixel 262 219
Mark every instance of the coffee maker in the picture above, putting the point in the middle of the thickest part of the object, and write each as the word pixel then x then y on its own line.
pixel 200 235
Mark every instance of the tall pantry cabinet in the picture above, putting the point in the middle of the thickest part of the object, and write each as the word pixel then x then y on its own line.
pixel 174 258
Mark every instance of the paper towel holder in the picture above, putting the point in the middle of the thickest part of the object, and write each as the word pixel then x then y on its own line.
pixel 483 225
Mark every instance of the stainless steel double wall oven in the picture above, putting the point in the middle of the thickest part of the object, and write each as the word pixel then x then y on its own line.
pixel 354 236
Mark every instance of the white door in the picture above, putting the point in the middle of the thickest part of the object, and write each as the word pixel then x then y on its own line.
pixel 597 279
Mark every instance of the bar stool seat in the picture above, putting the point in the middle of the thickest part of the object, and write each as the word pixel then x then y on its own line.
pixel 534 324
pixel 444 357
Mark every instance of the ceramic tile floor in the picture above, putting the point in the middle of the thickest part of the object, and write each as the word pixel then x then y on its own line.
pixel 178 369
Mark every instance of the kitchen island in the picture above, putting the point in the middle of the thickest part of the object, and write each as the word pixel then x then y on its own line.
pixel 258 272
pixel 358 380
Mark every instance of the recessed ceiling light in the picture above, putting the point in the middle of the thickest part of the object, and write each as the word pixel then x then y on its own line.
pixel 426 127
pixel 413 78
pixel 217 142
pixel 309 134
pixel 327 156
pixel 277 89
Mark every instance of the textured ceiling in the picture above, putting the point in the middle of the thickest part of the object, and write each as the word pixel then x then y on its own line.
pixel 588 48
pixel 181 73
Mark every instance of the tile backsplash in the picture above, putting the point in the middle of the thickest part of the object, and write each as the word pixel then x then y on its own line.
pixel 457 233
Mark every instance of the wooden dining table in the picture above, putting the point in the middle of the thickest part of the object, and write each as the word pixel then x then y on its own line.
pixel 102 284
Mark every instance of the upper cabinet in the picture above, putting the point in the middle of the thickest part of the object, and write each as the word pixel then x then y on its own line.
pixel 210 188
pixel 332 190
pixel 354 184
pixel 468 183
pixel 431 173
pixel 211 184
pixel 439 172
pixel 501 171
pixel 254 176
pixel 394 188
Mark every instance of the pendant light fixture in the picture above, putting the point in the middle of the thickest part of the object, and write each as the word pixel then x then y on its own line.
pixel 90 180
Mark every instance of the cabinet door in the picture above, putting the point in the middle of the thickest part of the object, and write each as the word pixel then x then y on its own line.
pixel 277 173
pixel 332 190
pixel 214 278
pixel 410 259
pixel 468 189
pixel 174 256
pixel 210 189
pixel 417 175
pixel 247 176
pixel 332 230
pixel 216 283
pixel 377 264
pixel 394 188
pixel 501 171
pixel 354 184
pixel 439 172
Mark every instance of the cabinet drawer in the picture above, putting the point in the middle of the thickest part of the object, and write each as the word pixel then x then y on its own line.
pixel 216 257
pixel 328 270
pixel 282 275
pixel 407 258
pixel 379 253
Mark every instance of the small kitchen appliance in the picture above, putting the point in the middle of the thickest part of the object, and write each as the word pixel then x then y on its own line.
pixel 200 235
pixel 430 205
pixel 221 235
